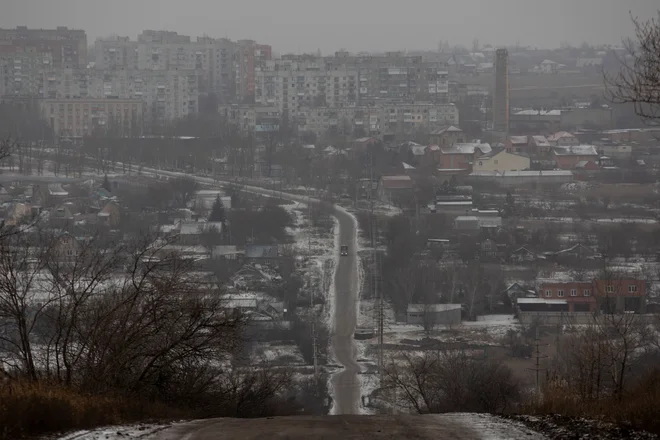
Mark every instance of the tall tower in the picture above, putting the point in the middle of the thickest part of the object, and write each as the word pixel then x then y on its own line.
pixel 501 99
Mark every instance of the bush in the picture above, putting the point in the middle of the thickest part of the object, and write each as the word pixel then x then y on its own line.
pixel 452 381
pixel 638 406
pixel 30 409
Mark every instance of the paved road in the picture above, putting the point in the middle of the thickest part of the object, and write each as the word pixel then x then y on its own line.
pixel 436 427
pixel 345 383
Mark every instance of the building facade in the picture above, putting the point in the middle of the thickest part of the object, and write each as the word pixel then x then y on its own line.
pixel 22 70
pixel 67 47
pixel 82 117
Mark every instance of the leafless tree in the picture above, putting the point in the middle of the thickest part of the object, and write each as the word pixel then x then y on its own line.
pixel 446 381
pixel 23 297
pixel 638 80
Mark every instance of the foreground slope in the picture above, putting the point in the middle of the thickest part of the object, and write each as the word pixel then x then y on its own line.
pixel 436 427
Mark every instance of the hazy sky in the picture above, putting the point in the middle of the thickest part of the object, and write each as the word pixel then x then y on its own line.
pixel 308 25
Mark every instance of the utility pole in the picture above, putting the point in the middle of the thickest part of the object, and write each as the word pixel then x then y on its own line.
pixel 537 365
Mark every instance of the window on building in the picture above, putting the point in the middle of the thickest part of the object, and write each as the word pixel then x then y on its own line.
pixel 609 288
pixel 548 293
pixel 632 288
pixel 560 293
pixel 573 292
pixel 586 292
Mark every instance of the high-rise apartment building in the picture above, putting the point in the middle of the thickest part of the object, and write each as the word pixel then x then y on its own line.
pixel 211 58
pixel 116 53
pixel 501 97
pixel 68 47
pixel 249 55
pixel 22 70
pixel 294 85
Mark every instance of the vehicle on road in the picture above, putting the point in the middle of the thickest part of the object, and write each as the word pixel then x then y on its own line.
pixel 343 251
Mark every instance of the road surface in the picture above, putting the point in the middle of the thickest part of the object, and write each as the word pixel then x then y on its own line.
pixel 436 427
pixel 345 384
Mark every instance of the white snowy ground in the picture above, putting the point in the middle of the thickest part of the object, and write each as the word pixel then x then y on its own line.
pixel 138 431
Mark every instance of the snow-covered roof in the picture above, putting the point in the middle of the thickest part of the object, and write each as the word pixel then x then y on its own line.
pixel 576 150
pixel 515 140
pixel 449 129
pixel 418 150
pixel 541 141
pixel 407 166
pixel 467 148
pixel 531 112
pixel 559 135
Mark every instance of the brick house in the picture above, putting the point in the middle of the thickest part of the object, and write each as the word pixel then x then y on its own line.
pixel 567 158
pixel 615 295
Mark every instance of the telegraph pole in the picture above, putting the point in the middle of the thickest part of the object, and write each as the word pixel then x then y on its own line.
pixel 537 365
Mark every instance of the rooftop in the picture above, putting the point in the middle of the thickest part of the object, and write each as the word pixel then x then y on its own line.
pixel 576 150
pixel 467 148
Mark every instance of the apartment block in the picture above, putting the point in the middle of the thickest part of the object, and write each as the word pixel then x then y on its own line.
pixel 397 76
pixel 81 117
pixel 116 53
pixel 67 47
pixel 249 54
pixel 379 120
pixel 167 94
pixel 252 118
pixel 212 59
pixel 22 70
pixel 292 86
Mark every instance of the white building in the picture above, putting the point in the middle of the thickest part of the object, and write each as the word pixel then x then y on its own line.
pixel 294 86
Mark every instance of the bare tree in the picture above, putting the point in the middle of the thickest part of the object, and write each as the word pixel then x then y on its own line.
pixel 448 381
pixel 638 80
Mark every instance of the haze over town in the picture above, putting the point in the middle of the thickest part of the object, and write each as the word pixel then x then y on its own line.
pixel 367 25
pixel 424 219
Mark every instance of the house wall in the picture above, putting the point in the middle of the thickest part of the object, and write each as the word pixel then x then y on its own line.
pixel 502 162
pixel 455 161
pixel 554 291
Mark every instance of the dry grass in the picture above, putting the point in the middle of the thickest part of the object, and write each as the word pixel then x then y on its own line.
pixel 639 406
pixel 29 409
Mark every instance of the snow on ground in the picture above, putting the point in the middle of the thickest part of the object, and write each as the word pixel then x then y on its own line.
pixel 117 432
pixel 489 427
pixel 274 353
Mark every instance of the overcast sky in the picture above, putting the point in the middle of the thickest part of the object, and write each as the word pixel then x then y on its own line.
pixel 356 25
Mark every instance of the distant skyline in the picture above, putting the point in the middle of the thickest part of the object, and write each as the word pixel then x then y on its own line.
pixel 354 25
